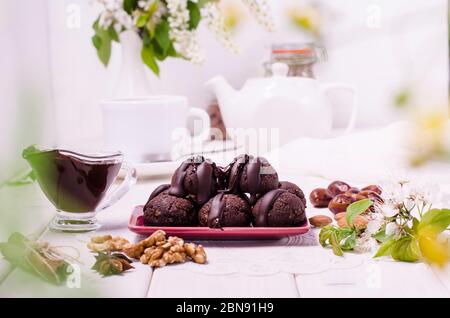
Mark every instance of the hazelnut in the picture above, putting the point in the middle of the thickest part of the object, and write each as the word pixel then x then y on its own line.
pixel 373 187
pixel 353 190
pixel 340 203
pixel 320 198
pixel 338 187
pixel 320 220
pixel 368 194
pixel 339 216
pixel 359 222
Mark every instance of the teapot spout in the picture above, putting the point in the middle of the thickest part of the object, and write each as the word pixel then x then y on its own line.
pixel 221 88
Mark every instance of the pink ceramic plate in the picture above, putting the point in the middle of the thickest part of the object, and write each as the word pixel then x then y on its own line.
pixel 136 225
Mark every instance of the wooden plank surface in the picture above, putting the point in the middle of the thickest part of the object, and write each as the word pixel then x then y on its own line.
pixel 178 283
pixel 368 279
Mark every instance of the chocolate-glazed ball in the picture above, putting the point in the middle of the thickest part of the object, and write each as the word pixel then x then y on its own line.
pixel 373 187
pixel 320 198
pixel 279 208
pixel 340 203
pixel 338 187
pixel 247 174
pixel 164 209
pixel 294 189
pixel 225 210
pixel 197 178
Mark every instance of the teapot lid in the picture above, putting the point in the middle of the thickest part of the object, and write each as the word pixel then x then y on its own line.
pixel 279 76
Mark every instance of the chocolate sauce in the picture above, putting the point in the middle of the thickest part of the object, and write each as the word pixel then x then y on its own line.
pixel 72 182
pixel 177 186
pixel 204 176
pixel 253 178
pixel 216 211
pixel 267 202
pixel 236 168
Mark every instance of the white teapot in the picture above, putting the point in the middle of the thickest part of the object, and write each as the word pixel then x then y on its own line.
pixel 297 106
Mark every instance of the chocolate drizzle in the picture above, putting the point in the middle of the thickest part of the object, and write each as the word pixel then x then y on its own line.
pixel 157 192
pixel 253 178
pixel 205 177
pixel 216 211
pixel 177 186
pixel 267 202
pixel 236 168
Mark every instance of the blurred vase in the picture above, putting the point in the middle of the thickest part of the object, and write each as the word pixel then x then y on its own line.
pixel 132 81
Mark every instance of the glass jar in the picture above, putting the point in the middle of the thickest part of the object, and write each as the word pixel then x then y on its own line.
pixel 300 57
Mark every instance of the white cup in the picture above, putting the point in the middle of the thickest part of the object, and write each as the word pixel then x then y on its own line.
pixel 144 127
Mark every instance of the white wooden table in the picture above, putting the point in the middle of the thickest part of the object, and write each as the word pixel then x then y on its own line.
pixel 292 267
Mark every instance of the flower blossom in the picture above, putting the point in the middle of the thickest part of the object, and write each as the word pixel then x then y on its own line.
pixel 185 40
pixel 114 14
pixel 216 23
pixel 261 11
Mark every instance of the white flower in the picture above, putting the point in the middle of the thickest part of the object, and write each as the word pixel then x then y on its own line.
pixel 261 11
pixel 392 229
pixel 365 243
pixel 114 14
pixel 185 40
pixel 388 210
pixel 376 221
pixel 215 21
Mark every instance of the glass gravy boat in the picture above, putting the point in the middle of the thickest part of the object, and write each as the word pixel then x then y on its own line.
pixel 78 185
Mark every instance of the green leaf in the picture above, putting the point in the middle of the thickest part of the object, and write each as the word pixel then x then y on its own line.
pixel 385 249
pixel 194 15
pixel 381 236
pixel 350 242
pixel 162 36
pixel 148 57
pixel 342 233
pixel 142 20
pixel 130 5
pixel 113 34
pixel 415 225
pixel 335 245
pixel 324 235
pixel 434 221
pixel 102 42
pixel 357 208
pixel 406 249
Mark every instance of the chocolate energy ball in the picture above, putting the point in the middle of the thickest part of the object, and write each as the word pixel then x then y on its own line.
pixel 197 178
pixel 294 189
pixel 163 209
pixel 279 208
pixel 225 210
pixel 248 174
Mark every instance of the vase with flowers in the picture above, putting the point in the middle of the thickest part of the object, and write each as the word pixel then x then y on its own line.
pixel 152 31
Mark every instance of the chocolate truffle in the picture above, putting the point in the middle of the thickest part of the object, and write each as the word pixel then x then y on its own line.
pixel 294 189
pixel 225 210
pixel 247 174
pixel 163 209
pixel 197 178
pixel 279 208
